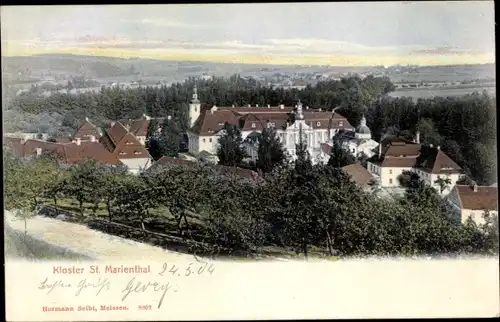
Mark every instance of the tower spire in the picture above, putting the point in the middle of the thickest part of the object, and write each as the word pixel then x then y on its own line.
pixel 195 94
pixel 300 114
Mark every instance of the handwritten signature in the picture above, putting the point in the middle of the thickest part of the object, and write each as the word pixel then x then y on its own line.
pixel 134 285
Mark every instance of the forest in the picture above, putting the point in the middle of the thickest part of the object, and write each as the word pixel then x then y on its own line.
pixel 302 210
pixel 464 127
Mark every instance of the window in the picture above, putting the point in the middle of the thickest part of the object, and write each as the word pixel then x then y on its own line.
pixel 137 152
pixel 210 140
pixel 129 143
pixel 341 123
pixel 204 140
pixel 390 181
pixel 318 123
pixel 253 125
pixel 122 153
pixel 390 172
pixel 196 109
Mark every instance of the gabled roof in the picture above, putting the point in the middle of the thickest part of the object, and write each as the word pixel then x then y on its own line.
pixel 210 122
pixel 249 118
pixel 113 135
pixel 166 160
pixel 139 127
pixel 399 153
pixel 86 130
pixel 69 152
pixel 435 161
pixel 358 174
pixel 485 198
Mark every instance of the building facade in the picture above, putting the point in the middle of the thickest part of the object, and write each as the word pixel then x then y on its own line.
pixel 396 156
pixel 316 126
pixel 473 201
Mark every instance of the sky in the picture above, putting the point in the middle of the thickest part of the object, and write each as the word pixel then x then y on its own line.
pixel 335 33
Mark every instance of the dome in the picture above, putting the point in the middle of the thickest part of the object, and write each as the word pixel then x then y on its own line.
pixel 363 130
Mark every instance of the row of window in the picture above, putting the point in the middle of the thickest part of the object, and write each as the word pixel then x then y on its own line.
pixel 135 152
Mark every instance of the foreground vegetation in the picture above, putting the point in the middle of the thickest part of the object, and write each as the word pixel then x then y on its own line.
pixel 297 208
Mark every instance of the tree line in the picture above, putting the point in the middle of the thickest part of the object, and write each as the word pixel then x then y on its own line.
pixel 464 126
pixel 299 207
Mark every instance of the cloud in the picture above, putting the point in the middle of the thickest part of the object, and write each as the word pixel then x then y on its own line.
pixel 168 23
pixel 446 51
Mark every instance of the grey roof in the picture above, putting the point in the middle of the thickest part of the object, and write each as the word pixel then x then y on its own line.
pixel 363 130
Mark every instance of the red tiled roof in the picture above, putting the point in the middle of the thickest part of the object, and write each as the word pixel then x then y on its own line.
pixel 115 134
pixel 122 143
pixel 139 127
pixel 130 148
pixel 398 153
pixel 86 130
pixel 15 144
pixel 69 152
pixel 210 122
pixel 358 174
pixel 89 150
pixel 486 198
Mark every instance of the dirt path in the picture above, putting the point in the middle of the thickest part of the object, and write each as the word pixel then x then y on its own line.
pixel 55 239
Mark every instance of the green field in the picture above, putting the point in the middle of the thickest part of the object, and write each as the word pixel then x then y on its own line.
pixel 429 93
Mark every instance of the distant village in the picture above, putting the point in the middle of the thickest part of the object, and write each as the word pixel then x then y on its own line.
pixel 123 142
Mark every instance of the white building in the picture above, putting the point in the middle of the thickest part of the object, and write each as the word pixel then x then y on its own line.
pixel 430 163
pixel 473 201
pixel 317 126
pixel 360 142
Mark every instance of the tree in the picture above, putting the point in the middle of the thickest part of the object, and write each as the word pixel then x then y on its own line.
pixel 85 182
pixel 270 152
pixel 230 151
pixel 136 198
pixel 339 157
pixel 170 138
pixel 443 183
pixel 409 179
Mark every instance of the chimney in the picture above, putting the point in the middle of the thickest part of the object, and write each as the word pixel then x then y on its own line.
pixel 319 109
pixel 256 105
pixel 86 118
pixel 78 141
pixel 249 105
pixel 431 145
pixel 380 150
pixel 232 105
pixel 474 187
pixel 169 117
pixel 268 106
pixel 92 138
pixel 307 107
pixel 438 147
pixel 38 151
pixel 417 137
pixel 282 106
pixel 112 124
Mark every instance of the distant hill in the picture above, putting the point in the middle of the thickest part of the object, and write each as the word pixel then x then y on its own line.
pixel 105 68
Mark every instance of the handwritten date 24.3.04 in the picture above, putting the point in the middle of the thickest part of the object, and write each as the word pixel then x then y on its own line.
pixel 191 270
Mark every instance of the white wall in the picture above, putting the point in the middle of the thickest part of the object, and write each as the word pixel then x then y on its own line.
pixel 389 176
pixel 136 164
pixel 476 215
pixel 194 113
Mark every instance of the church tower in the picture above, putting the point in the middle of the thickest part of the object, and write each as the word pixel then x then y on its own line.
pixel 363 131
pixel 194 108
